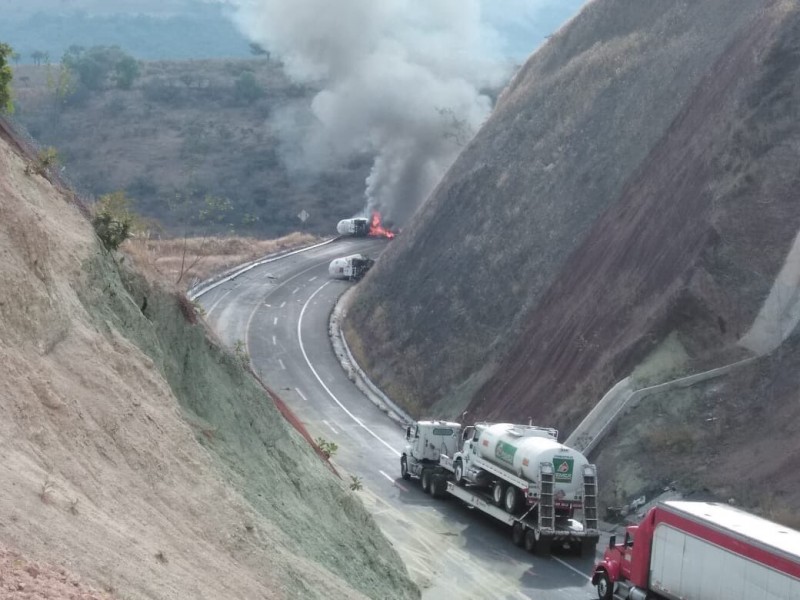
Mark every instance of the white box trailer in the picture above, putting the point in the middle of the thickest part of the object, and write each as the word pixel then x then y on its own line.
pixel 702 551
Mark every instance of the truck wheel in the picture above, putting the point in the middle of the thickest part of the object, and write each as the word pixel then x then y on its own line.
pixel 588 548
pixel 459 472
pixel 512 500
pixel 605 589
pixel 438 486
pixel 530 540
pixel 404 468
pixel 543 545
pixel 498 492
pixel 426 480
pixel 518 534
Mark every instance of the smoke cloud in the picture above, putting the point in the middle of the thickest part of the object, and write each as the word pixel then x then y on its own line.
pixel 400 79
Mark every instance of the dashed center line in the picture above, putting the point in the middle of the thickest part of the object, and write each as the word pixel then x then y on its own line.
pixel 274 341
pixel 313 278
pixel 275 321
pixel 330 427
pixel 295 290
pixel 280 362
pixel 283 303
pixel 299 393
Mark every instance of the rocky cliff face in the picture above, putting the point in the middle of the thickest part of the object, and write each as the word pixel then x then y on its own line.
pixel 137 453
pixel 630 198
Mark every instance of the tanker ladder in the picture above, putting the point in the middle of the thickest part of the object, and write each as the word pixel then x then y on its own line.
pixel 547 510
pixel 590 497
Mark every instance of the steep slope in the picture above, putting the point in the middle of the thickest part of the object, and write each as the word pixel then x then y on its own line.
pixel 137 453
pixel 563 146
pixel 625 211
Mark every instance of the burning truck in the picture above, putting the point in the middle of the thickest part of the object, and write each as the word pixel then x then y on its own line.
pixel 363 227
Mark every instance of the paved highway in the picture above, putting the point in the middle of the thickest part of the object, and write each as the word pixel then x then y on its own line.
pixel 280 312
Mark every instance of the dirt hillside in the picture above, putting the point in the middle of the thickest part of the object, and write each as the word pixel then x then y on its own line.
pixel 139 457
pixel 630 203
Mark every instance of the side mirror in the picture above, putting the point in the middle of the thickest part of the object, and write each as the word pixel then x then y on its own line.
pixel 612 541
pixel 408 432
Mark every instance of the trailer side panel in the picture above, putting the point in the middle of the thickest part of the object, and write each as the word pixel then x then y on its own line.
pixel 684 566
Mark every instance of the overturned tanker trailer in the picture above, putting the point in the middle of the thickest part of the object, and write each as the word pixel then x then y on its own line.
pixel 351 268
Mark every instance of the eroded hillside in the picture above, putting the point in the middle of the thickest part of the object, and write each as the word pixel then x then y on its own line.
pixel 634 185
pixel 138 454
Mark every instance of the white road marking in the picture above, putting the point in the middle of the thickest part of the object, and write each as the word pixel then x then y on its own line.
pixel 275 321
pixel 220 299
pixel 267 305
pixel 313 278
pixel 394 482
pixel 283 366
pixel 276 288
pixel 274 341
pixel 571 568
pixel 283 303
pixel 322 383
pixel 330 427
pixel 299 393
pixel 295 290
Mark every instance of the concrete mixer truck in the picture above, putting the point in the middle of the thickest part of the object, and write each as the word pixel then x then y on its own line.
pixel 519 474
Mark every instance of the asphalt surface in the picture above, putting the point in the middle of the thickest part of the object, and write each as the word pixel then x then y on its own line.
pixel 280 312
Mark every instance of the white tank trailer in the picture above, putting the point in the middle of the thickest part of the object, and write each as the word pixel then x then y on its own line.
pixel 519 474
pixel 358 227
pixel 521 449
pixel 351 268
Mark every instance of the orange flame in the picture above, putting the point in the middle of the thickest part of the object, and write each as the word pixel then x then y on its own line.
pixel 376 229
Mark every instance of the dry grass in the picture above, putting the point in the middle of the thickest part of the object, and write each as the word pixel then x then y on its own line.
pixel 185 261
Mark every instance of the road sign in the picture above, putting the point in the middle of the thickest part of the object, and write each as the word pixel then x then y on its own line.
pixel 303 215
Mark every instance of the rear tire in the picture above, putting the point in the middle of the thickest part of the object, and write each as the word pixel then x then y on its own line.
pixel 512 500
pixel 518 534
pixel 498 492
pixel 438 486
pixel 426 480
pixel 587 549
pixel 404 468
pixel 530 540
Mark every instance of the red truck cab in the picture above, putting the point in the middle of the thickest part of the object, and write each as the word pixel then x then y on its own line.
pixel 621 564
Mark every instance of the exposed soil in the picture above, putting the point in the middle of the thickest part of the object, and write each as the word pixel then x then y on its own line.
pixel 139 454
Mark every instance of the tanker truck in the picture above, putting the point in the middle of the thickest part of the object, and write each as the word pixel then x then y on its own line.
pixel 702 551
pixel 351 268
pixel 519 474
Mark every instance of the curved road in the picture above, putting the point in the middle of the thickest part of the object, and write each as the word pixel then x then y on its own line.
pixel 280 311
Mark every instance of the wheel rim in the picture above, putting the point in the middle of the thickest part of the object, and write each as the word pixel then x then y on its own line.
pixel 403 466
pixel 459 472
pixel 602 586
pixel 497 494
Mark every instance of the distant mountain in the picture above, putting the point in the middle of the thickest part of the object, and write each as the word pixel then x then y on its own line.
pixel 202 32
pixel 626 211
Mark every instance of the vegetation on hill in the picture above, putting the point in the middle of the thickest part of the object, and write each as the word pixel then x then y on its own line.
pixel 634 183
pixel 192 144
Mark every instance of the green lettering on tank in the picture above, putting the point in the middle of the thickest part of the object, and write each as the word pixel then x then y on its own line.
pixel 563 466
pixel 505 452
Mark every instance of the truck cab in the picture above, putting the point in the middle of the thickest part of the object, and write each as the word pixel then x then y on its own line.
pixel 426 441
pixel 625 566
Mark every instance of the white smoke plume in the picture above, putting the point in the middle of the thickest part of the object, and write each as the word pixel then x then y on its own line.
pixel 401 79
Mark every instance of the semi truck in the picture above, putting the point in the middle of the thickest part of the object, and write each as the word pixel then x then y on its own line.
pixel 518 474
pixel 351 268
pixel 701 551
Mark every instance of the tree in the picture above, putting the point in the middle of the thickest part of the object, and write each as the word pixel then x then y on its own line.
pixel 113 220
pixel 6 105
pixel 16 57
pixel 246 88
pixel 37 56
pixel 258 50
pixel 125 72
